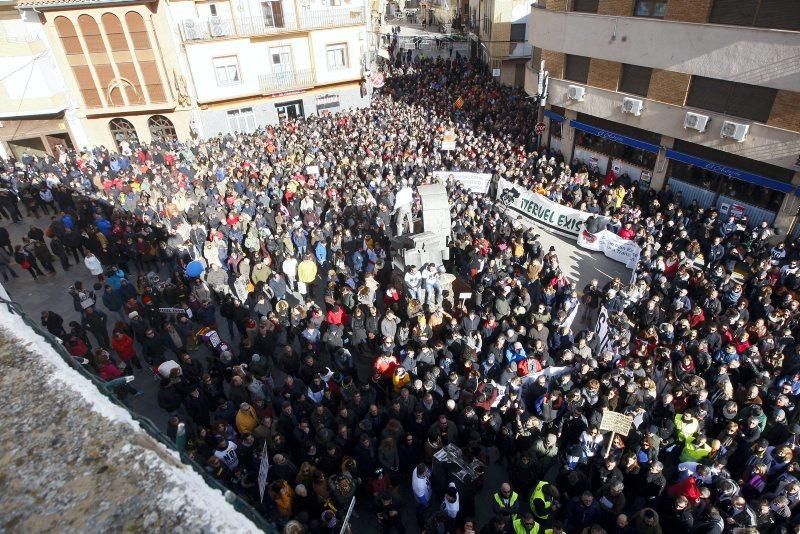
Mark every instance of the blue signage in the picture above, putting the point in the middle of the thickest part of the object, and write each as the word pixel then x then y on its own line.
pixel 553 116
pixel 617 138
pixel 730 172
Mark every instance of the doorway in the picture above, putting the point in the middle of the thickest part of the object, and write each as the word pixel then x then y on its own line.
pixel 289 110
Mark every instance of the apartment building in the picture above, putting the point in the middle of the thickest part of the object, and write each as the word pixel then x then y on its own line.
pixel 119 66
pixel 37 115
pixel 498 31
pixel 702 96
pixel 254 62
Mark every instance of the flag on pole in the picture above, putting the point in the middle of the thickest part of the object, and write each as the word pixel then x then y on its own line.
pixel 459 103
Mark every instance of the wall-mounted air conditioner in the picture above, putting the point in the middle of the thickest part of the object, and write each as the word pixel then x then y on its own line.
pixel 632 106
pixel 695 121
pixel 576 92
pixel 734 130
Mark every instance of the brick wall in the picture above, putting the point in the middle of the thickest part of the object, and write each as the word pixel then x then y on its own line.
pixel 554 63
pixel 688 10
pixel 786 111
pixel 604 74
pixel 619 8
pixel 668 86
pixel 556 5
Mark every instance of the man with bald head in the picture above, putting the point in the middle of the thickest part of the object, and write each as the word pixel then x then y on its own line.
pixel 505 503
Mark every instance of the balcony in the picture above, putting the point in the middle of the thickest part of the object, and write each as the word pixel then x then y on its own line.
pixel 303 20
pixel 519 50
pixel 278 82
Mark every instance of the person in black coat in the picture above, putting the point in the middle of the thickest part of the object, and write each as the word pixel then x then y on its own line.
pixel 95 322
pixel 5 240
pixel 58 250
pixel 168 398
pixel 198 406
pixel 54 324
pixel 153 348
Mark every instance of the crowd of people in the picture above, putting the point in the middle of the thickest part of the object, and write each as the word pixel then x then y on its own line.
pixel 352 376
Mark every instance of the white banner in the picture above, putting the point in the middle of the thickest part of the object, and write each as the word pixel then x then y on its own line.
pixel 263 472
pixel 476 182
pixel 601 329
pixel 540 210
pixel 618 249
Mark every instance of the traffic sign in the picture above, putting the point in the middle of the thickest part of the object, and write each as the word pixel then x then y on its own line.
pixel 539 128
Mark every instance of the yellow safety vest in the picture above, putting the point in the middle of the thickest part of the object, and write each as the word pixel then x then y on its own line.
pixel 511 501
pixel 519 527
pixel 539 494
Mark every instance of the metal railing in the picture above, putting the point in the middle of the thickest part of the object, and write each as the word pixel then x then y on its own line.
pixel 303 20
pixel 276 82
pixel 238 503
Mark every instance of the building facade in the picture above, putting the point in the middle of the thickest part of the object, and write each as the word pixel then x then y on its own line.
pixel 702 96
pixel 37 115
pixel 120 66
pixel 252 63
pixel 498 31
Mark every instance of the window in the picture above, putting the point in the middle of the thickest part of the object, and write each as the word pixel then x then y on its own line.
pixel 585 6
pixel 576 68
pixel 161 128
pixel 273 14
pixel 122 131
pixel 639 157
pixel 737 99
pixel 518 33
pixel 635 79
pixel 337 56
pixel 241 120
pixel 777 14
pixel 650 8
pixel 226 69
pixel 213 9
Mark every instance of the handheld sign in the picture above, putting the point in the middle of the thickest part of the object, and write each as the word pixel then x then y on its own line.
pixel 616 423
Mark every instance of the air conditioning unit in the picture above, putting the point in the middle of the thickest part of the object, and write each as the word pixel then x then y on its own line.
pixel 632 106
pixel 217 27
pixel 695 121
pixel 190 29
pixel 576 92
pixel 734 130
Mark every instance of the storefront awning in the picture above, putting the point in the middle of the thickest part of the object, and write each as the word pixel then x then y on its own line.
pixel 553 116
pixel 617 138
pixel 731 172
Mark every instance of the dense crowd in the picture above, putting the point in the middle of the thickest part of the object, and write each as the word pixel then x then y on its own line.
pixel 355 376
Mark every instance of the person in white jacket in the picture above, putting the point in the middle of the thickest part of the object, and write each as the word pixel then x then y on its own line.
pixel 94 265
pixel 289 268
pixel 421 486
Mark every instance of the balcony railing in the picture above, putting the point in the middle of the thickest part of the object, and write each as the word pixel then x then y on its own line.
pixel 519 50
pixel 303 20
pixel 278 82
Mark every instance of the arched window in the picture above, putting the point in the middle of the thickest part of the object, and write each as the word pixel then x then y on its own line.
pixel 161 128
pixel 122 130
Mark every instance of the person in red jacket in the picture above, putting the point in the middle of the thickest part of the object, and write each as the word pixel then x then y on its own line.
pixel 336 315
pixel 123 344
pixel 627 231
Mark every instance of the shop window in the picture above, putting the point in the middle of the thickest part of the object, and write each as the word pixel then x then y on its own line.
pixel 650 8
pixel 642 158
pixel 555 128
pixel 635 79
pixel 585 6
pixel 161 128
pixel 748 193
pixel 737 99
pixel 576 68
pixel 777 14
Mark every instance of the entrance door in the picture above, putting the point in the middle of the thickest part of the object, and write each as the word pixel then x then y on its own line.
pixel 289 110
pixel 282 65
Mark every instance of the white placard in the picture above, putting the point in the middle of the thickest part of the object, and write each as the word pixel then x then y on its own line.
pixel 312 170
pixel 601 329
pixel 477 182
